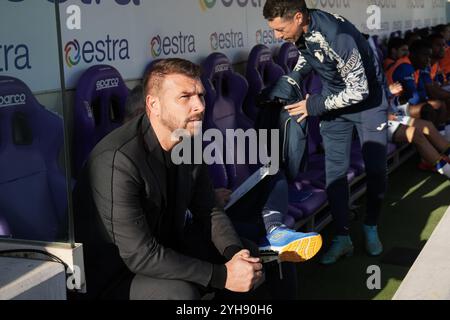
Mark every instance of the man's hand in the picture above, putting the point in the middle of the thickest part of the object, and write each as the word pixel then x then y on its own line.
pixel 298 108
pixel 222 196
pixel 243 271
pixel 396 88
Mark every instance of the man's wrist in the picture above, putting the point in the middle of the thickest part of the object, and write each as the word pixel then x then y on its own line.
pixel 230 251
pixel 219 276
pixel 315 105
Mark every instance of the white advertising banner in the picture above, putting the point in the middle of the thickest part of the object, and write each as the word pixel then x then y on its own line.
pixel 28 43
pixel 128 34
pixel 393 15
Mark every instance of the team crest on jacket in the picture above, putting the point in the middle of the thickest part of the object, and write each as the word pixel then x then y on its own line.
pixel 319 55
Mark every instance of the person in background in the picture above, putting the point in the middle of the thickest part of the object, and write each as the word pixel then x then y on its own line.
pixel 444 31
pixel 433 148
pixel 407 71
pixel 397 49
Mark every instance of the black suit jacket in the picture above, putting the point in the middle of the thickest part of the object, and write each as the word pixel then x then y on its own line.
pixel 119 202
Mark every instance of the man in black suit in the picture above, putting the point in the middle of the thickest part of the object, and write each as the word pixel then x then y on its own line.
pixel 150 228
pixel 131 205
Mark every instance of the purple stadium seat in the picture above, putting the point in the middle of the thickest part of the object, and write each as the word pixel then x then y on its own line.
pixel 287 57
pixel 225 92
pixel 223 111
pixel 305 200
pixel 289 221
pixel 357 161
pixel 33 195
pixel 261 72
pixel 99 108
pixel 379 49
pixel 312 84
pixel 4 228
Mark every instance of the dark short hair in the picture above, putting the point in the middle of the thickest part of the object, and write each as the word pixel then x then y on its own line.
pixel 135 104
pixel 283 8
pixel 154 76
pixel 409 35
pixel 396 43
pixel 434 37
pixel 440 28
pixel 419 47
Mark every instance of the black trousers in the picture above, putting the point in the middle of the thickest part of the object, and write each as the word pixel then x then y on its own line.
pixel 138 287
pixel 246 217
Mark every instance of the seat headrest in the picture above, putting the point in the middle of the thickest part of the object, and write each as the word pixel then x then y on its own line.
pixel 15 94
pixel 225 91
pixel 288 56
pixel 23 118
pixel 100 100
pixel 260 55
pixel 261 69
pixel 99 108
pixel 216 65
pixel 100 80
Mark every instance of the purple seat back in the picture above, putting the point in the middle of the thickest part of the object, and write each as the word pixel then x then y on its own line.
pixel 4 228
pixel 225 92
pixel 99 109
pixel 33 197
pixel 312 84
pixel 262 72
pixel 287 57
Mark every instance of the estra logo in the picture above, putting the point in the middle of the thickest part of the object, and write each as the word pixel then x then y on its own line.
pixel 266 37
pixel 415 4
pixel 172 45
pixel 384 4
pixel 14 56
pixel 209 4
pixel 107 49
pixel 227 40
pixel 13 100
pixel 107 83
pixel 438 4
pixel 324 4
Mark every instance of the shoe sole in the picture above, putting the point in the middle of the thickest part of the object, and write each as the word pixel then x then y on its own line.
pixel 299 250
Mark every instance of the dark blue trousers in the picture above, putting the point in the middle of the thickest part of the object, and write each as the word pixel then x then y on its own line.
pixel 336 129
